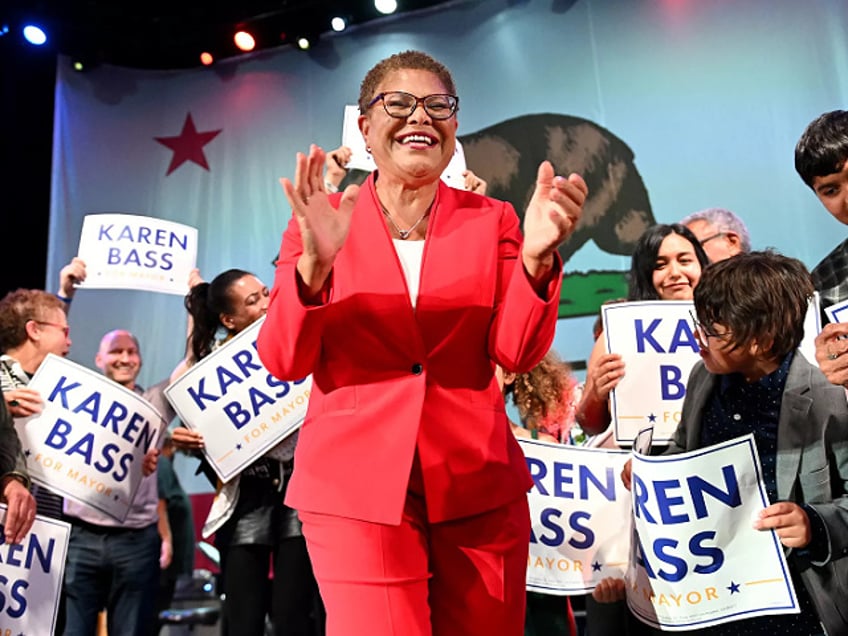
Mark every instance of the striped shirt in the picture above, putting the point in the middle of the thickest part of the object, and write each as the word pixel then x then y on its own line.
pixel 12 376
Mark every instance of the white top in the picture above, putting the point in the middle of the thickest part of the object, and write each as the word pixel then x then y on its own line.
pixel 410 255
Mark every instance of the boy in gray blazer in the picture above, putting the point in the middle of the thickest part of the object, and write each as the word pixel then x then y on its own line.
pixel 752 379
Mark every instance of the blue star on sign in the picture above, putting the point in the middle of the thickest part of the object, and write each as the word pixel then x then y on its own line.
pixel 652 418
pixel 734 588
pixel 596 567
pixel 238 446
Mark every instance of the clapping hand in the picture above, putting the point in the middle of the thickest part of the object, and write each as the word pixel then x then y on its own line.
pixel 551 217
pixel 323 228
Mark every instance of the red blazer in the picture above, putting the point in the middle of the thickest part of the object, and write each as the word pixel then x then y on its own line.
pixel 388 379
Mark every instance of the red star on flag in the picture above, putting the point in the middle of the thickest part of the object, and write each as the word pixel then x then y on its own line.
pixel 188 145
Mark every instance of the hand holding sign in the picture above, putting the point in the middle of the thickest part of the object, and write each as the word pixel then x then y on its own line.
pixel 129 251
pixel 789 521
pixel 831 349
pixel 23 401
pixel 20 512
pixel 71 275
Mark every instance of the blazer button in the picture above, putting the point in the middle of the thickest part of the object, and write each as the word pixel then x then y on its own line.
pixel 275 482
pixel 417 368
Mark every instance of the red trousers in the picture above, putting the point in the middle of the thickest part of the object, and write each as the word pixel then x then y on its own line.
pixel 465 577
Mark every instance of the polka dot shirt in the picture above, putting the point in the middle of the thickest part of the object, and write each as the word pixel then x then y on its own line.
pixel 734 409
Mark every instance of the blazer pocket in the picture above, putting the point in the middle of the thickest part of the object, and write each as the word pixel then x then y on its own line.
pixel 342 400
pixel 816 485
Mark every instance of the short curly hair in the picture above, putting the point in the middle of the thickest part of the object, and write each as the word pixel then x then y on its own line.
pixel 19 307
pixel 406 60
pixel 544 395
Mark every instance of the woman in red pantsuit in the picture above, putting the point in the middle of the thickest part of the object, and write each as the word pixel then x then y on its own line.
pixel 400 297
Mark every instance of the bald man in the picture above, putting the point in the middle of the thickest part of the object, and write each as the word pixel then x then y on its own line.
pixel 110 564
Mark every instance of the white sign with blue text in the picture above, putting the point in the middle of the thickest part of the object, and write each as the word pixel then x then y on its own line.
pixel 128 251
pixel 812 328
pixel 698 561
pixel 240 409
pixel 656 341
pixel 580 517
pixel 837 312
pixel 89 441
pixel 31 577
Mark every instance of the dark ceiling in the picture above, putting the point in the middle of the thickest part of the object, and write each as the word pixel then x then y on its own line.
pixel 161 34
pixel 153 34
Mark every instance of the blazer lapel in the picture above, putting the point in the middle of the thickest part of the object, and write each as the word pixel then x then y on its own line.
pixel 791 439
pixel 698 400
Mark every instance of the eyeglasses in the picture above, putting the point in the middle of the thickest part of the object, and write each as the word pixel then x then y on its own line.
pixel 704 335
pixel 401 105
pixel 64 328
pixel 711 237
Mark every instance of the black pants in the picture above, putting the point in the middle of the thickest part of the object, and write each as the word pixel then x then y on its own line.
pixel 290 598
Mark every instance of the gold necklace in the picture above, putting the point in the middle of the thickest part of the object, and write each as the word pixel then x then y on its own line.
pixel 404 234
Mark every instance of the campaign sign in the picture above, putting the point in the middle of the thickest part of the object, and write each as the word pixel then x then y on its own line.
pixel 812 328
pixel 128 251
pixel 240 409
pixel 580 515
pixel 361 159
pixel 31 577
pixel 837 312
pixel 656 340
pixel 697 560
pixel 89 441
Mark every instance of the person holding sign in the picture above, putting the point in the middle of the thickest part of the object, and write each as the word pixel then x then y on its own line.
pixel 752 379
pixel 111 564
pixel 254 529
pixel 33 324
pixel 17 310
pixel 543 397
pixel 666 265
pixel 410 486
pixel 821 160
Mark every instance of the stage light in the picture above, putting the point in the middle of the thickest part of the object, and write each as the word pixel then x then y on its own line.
pixel 385 6
pixel 34 35
pixel 206 58
pixel 4 30
pixel 244 41
pixel 303 43
pixel 338 24
pixel 78 66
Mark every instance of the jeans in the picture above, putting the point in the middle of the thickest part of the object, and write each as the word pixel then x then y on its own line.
pixel 116 569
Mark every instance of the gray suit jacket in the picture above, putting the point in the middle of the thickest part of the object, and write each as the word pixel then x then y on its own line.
pixel 812 468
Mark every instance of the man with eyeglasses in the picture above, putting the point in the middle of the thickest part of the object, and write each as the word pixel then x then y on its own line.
pixel 33 324
pixel 721 233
